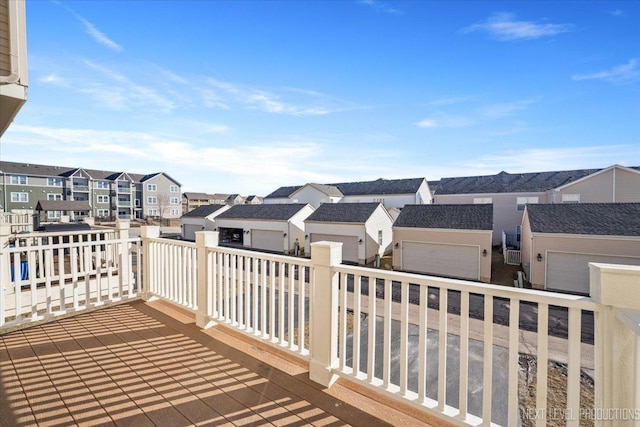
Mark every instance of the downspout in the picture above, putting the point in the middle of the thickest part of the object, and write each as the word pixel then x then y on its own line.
pixel 14 76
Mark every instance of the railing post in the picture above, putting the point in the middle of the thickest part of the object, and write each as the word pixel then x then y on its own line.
pixel 147 232
pixel 5 277
pixel 204 241
pixel 124 266
pixel 617 344
pixel 323 328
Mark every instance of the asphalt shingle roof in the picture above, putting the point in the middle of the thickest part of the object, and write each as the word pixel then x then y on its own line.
pixel 63 205
pixel 276 212
pixel 379 186
pixel 343 212
pixel 202 211
pixel 504 182
pixel 600 219
pixel 283 192
pixel 457 217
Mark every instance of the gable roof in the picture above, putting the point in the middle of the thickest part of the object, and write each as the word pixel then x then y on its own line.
pixel 600 219
pixel 380 186
pixel 504 182
pixel 276 212
pixel 283 192
pixel 197 196
pixel 203 211
pixel 343 212
pixel 456 217
pixel 329 190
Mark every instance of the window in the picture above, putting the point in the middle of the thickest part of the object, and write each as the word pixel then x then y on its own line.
pixel 20 197
pixel 152 200
pixel 54 182
pixel 174 201
pixel 153 212
pixel 379 200
pixel 570 198
pixel 53 196
pixel 18 180
pixel 380 237
pixel 521 201
pixel 53 214
pixel 174 189
pixel 137 203
pixel 174 212
pixel 103 199
pixel 152 187
pixel 104 185
pixel 102 212
pixel 482 200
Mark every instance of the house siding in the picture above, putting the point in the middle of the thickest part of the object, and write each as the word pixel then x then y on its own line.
pixel 313 196
pixel 379 220
pixel 388 200
pixel 627 186
pixel 594 189
pixel 482 239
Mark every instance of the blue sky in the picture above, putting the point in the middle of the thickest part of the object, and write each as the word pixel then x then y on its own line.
pixel 245 97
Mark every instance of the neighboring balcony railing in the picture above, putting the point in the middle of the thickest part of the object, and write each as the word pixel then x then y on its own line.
pixel 124 189
pixel 452 348
pixel 80 187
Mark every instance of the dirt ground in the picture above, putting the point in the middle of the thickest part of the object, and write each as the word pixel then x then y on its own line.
pixel 501 273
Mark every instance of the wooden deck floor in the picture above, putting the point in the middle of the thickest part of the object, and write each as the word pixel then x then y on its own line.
pixel 147 364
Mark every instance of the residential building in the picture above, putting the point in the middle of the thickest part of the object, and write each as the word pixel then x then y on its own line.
pixel 364 229
pixel 274 228
pixel 509 193
pixel 191 200
pixel 444 240
pixel 392 193
pixel 253 200
pixel 110 195
pixel 560 240
pixel 13 60
pixel 201 219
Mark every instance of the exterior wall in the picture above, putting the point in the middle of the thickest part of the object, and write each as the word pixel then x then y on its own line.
pixel 163 196
pixel 297 229
pixel 596 245
pixel 597 188
pixel 312 196
pixel 388 200
pixel 627 186
pixel 340 229
pixel 277 201
pixel 478 238
pixel 423 195
pixel 506 215
pixel 525 247
pixel 379 220
pixel 254 224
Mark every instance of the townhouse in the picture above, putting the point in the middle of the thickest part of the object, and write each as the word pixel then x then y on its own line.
pixel 110 195
pixel 510 193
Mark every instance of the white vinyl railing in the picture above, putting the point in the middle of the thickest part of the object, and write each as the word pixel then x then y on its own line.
pixel 45 275
pixel 448 347
pixel 19 222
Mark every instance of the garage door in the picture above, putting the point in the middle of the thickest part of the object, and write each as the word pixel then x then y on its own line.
pixel 190 231
pixel 349 244
pixel 441 259
pixel 569 272
pixel 267 240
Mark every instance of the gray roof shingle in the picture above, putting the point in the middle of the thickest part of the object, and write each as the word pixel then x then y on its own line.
pixel 203 211
pixel 504 182
pixel 276 212
pixel 600 219
pixel 343 212
pixel 364 188
pixel 457 217
pixel 283 192
pixel 63 205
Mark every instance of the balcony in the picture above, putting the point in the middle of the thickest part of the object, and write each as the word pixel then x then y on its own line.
pixel 124 189
pixel 303 341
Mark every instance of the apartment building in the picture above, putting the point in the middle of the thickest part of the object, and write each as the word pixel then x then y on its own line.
pixel 111 195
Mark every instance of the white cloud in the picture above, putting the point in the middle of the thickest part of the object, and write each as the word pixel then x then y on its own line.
pixel 504 26
pixel 53 79
pixel 620 74
pixel 92 30
pixel 382 7
pixel 617 12
pixel 290 101
pixel 427 123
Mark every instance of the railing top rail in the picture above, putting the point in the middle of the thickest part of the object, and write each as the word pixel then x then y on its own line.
pixel 65 233
pixel 10 250
pixel 263 255
pixel 529 295
pixel 173 242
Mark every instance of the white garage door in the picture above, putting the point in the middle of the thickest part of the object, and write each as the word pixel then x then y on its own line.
pixel 349 244
pixel 568 272
pixel 190 231
pixel 441 259
pixel 267 240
